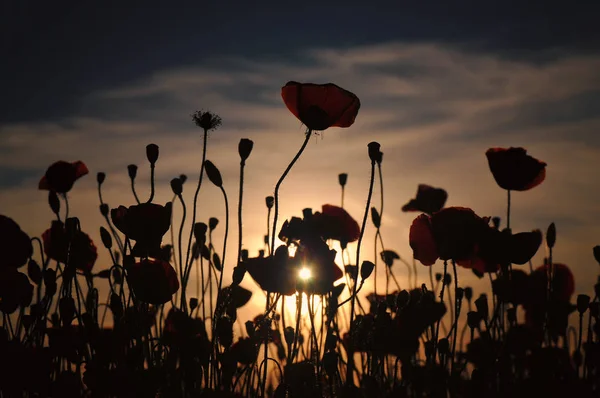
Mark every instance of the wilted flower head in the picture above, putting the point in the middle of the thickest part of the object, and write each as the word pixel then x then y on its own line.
pixel 206 120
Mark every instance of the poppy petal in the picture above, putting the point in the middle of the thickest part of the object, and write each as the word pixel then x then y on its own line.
pixel 422 241
pixel 524 245
pixel 80 169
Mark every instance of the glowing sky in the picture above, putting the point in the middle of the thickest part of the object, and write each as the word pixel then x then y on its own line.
pixel 434 102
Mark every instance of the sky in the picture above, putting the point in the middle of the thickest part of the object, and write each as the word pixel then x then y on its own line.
pixel 439 84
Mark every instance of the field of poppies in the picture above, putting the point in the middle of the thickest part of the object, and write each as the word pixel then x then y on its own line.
pixel 161 322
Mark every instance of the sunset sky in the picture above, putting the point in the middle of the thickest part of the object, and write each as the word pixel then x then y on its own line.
pixel 439 84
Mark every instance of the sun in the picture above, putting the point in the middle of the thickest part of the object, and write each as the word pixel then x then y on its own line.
pixel 305 273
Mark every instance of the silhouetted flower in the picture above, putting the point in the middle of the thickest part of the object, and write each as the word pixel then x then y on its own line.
pixel 153 281
pixel 563 282
pixel 15 290
pixel 61 176
pixel 206 120
pixel 15 244
pixel 145 223
pixel 78 250
pixel 276 273
pixel 320 106
pixel 335 223
pixel 514 170
pixel 451 233
pixel 429 200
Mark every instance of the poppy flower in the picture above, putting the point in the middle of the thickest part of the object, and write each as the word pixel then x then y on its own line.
pixel 335 223
pixel 145 223
pixel 153 281
pixel 275 274
pixel 320 106
pixel 315 255
pixel 15 290
pixel 563 282
pixel 15 244
pixel 451 233
pixel 80 250
pixel 495 248
pixel 428 200
pixel 61 176
pixel 514 170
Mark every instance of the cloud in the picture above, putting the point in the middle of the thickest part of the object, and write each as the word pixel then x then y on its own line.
pixel 435 110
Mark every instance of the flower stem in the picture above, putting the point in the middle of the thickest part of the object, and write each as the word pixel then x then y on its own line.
pixel 239 253
pixel 151 183
pixel 278 185
pixel 349 369
pixel 508 209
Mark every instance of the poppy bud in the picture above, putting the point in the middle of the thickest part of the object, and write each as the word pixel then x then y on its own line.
pixel 468 293
pixel 551 236
pixel 482 306
pixel 583 302
pixel 100 177
pixel 269 200
pixel 213 173
pixel 374 151
pixel 106 238
pixel 200 229
pixel 438 276
pixel 244 254
pixel 460 292
pixel 245 148
pixel 343 178
pixel 597 253
pixel 177 186
pixel 511 315
pixel 261 253
pixel 473 319
pixel 266 239
pixel 66 307
pixel 444 346
pixel 152 153
pixel 104 209
pixel 54 202
pixel 496 222
pixel 238 275
pixel 183 178
pixel 193 303
pixel 447 279
pixel 288 335
pixel 366 269
pixel 34 271
pixel 116 306
pixel 375 218
pixel 72 226
pixel 212 223
pixel 403 299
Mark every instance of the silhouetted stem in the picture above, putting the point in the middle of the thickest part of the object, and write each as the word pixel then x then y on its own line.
pixel 151 183
pixel 182 272
pixel 224 238
pixel 239 253
pixel 508 209
pixel 133 190
pixel 278 185
pixel 349 370
pixel 437 328
pixel 455 326
pixel 187 256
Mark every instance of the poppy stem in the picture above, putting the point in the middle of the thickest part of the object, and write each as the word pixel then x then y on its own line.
pixel 182 271
pixel 133 190
pixel 458 305
pixel 151 183
pixel 224 238
pixel 349 369
pixel 508 209
pixel 278 185
pixel 187 256
pixel 437 328
pixel 239 253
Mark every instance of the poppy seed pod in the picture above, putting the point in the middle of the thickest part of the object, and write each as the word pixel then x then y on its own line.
pixel 447 279
pixel 132 171
pixel 100 177
pixel 193 303
pixel 374 151
pixel 551 235
pixel 269 201
pixel 473 319
pixel 460 293
pixel 343 179
pixel 438 276
pixel 245 148
pixel 152 153
pixel 583 302
pixel 468 293
pixel 54 202
pixel 444 346
pixel 177 186
pixel 213 173
pixel 212 223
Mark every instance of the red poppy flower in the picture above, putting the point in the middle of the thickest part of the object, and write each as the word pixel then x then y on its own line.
pixel 320 106
pixel 563 283
pixel 315 255
pixel 61 176
pixel 15 290
pixel 15 244
pixel 80 250
pixel 451 233
pixel 335 223
pixel 145 223
pixel 428 200
pixel 514 170
pixel 275 274
pixel 153 281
